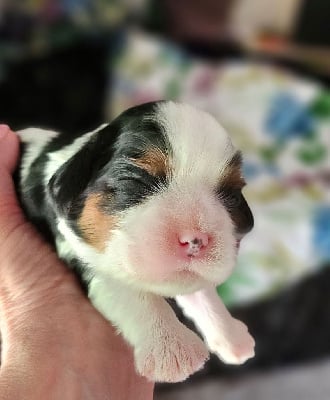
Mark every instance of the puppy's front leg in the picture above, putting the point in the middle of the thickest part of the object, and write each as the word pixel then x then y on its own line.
pixel 165 350
pixel 225 336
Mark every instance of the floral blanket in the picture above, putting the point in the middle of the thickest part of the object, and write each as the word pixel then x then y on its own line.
pixel 282 124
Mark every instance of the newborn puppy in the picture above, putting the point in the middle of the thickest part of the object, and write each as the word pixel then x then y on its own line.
pixel 146 207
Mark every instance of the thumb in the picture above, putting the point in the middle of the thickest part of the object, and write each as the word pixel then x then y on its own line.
pixel 9 151
pixel 9 146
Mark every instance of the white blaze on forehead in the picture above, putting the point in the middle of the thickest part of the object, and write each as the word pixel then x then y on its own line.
pixel 201 147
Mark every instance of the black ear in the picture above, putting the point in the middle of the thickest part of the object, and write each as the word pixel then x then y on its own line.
pixel 239 210
pixel 71 180
pixel 69 185
pixel 243 218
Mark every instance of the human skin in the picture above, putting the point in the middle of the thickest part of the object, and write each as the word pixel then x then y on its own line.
pixel 55 345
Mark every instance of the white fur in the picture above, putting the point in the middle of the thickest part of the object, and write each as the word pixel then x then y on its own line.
pixel 75 245
pixel 36 139
pixel 201 147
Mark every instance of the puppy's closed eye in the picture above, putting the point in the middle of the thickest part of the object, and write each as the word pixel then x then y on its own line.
pixel 154 161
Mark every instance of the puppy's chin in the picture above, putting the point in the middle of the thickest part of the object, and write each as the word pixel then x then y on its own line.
pixel 168 267
pixel 181 283
pixel 184 282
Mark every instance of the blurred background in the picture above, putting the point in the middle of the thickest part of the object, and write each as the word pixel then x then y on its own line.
pixel 262 68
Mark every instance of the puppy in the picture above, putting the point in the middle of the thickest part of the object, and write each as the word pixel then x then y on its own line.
pixel 144 208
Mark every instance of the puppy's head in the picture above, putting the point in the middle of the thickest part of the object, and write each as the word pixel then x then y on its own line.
pixel 154 198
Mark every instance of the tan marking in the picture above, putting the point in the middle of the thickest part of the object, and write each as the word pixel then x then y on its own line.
pixel 232 177
pixel 154 161
pixel 94 224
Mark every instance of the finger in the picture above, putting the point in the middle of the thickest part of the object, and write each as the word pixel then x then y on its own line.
pixel 10 211
pixel 9 148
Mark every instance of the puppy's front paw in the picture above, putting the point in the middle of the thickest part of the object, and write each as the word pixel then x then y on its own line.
pixel 235 346
pixel 171 356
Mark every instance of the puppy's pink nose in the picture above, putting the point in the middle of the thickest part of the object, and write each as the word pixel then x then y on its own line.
pixel 193 242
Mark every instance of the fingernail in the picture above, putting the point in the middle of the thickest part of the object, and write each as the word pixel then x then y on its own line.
pixel 4 129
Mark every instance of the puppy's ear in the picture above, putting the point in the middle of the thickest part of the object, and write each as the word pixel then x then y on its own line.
pixel 242 217
pixel 69 182
pixel 232 197
pixel 68 186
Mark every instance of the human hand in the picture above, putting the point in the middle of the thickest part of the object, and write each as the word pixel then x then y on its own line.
pixel 55 345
